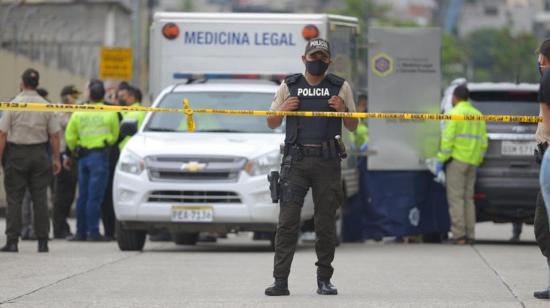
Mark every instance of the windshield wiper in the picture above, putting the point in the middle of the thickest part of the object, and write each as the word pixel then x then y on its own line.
pixel 160 129
pixel 219 131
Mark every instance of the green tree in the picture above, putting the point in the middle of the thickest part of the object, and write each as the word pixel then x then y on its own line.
pixel 496 55
pixel 454 60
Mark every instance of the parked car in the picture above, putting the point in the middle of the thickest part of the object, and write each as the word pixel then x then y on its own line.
pixel 507 181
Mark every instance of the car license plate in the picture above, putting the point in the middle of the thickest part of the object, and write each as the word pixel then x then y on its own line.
pixel 518 148
pixel 192 214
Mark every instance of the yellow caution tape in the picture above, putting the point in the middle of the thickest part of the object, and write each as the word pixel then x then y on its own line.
pixel 188 112
pixel 380 115
pixel 41 107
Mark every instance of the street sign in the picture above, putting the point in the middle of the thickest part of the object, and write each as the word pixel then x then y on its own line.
pixel 115 63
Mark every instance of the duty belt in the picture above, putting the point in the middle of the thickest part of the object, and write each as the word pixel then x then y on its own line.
pixel 299 150
pixel 84 152
pixel 19 145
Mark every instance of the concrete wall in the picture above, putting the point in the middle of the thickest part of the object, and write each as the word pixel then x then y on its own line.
pixel 51 79
pixel 65 35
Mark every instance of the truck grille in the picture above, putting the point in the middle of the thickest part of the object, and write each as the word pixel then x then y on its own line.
pixel 209 197
pixel 191 169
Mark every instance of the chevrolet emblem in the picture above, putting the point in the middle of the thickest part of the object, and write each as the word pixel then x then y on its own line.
pixel 192 166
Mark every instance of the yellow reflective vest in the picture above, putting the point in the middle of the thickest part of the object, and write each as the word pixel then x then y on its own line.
pixel 361 135
pixel 465 141
pixel 138 116
pixel 92 130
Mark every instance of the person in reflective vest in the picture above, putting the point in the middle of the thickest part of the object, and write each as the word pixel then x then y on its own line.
pixel 463 146
pixel 89 136
pixel 132 98
pixel 360 137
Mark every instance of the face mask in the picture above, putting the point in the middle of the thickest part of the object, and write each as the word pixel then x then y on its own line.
pixel 317 67
pixel 122 102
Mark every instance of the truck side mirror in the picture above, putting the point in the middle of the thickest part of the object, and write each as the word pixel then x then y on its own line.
pixel 128 128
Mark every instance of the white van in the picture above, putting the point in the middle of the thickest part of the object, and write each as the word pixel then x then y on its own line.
pixel 215 179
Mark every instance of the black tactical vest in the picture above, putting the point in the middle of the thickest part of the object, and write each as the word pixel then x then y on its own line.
pixel 313 130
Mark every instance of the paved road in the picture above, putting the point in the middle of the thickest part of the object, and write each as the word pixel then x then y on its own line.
pixel 234 273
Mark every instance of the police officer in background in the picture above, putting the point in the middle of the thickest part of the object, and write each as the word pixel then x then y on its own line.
pixel 65 185
pixel 311 159
pixel 360 137
pixel 24 140
pixel 542 230
pixel 107 207
pixel 132 98
pixel 89 136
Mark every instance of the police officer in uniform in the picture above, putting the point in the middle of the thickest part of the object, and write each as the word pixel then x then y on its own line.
pixel 311 159
pixel 542 231
pixel 131 98
pixel 24 138
pixel 89 136
pixel 66 180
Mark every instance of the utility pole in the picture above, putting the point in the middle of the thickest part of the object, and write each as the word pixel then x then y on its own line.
pixel 136 40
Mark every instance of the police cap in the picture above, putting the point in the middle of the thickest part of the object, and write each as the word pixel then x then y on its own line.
pixel 69 90
pixel 317 44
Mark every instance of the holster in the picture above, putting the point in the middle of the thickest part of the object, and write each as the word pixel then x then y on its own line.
pixel 334 148
pixel 274 186
pixel 539 152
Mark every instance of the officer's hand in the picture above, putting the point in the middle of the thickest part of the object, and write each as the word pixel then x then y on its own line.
pixel 337 103
pixel 56 166
pixel 67 164
pixel 290 104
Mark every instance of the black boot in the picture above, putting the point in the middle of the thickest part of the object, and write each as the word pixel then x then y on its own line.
pixel 11 246
pixel 325 287
pixel 43 246
pixel 278 288
pixel 542 294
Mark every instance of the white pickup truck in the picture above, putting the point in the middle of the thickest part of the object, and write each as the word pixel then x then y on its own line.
pixel 211 180
pixel 215 179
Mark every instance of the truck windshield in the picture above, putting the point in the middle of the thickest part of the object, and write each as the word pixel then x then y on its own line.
pixel 176 122
pixel 506 103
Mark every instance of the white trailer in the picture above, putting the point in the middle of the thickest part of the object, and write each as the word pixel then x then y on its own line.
pixel 187 44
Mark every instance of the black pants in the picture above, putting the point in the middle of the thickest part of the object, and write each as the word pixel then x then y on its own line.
pixel 65 191
pixel 542 233
pixel 324 178
pixel 107 208
pixel 27 168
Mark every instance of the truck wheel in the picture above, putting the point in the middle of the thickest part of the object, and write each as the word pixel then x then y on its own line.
pixel 185 238
pixel 129 240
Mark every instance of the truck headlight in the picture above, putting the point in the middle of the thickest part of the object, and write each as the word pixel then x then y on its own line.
pixel 264 164
pixel 130 162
